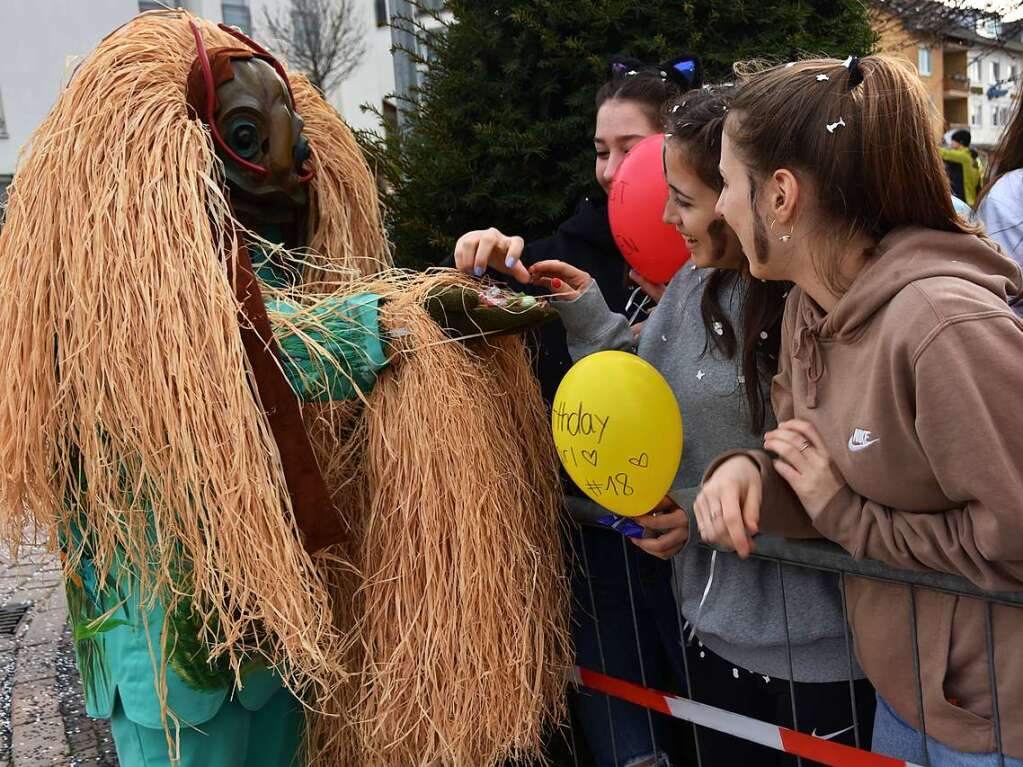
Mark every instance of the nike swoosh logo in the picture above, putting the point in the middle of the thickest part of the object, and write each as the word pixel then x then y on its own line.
pixel 858 446
pixel 832 735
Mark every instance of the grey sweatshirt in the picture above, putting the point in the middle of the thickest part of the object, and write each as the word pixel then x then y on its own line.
pixel 735 607
pixel 1001 210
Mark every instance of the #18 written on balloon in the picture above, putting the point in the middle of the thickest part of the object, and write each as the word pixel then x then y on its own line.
pixel 618 431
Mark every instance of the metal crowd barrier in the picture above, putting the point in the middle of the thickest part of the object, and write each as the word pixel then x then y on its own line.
pixel 820 555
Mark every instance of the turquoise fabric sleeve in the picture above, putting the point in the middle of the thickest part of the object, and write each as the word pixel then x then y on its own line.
pixel 332 349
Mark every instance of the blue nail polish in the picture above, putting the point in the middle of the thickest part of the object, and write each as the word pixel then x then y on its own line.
pixel 509 262
pixel 478 271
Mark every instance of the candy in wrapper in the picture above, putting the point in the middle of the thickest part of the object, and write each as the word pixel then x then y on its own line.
pixel 623 525
pixel 493 296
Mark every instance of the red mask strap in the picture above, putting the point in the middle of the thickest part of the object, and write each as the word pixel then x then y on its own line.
pixel 211 104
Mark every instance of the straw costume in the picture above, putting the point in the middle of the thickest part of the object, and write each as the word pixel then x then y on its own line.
pixel 271 474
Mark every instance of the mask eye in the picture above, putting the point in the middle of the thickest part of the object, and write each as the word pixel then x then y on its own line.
pixel 244 138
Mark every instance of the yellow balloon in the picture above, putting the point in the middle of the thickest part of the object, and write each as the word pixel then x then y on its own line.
pixel 618 431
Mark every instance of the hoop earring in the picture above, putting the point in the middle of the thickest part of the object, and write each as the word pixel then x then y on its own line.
pixel 784 237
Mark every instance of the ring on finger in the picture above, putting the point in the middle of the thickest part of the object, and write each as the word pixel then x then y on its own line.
pixel 802 448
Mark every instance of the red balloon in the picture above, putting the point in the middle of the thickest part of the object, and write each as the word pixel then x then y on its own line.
pixel 638 193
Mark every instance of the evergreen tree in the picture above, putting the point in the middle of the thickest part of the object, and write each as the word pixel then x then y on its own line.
pixel 502 133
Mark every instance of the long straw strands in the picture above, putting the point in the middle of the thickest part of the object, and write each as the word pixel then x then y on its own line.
pixel 127 412
pixel 462 607
pixel 353 242
pixel 129 425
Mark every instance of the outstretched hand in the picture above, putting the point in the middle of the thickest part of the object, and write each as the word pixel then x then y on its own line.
pixel 476 251
pixel 566 282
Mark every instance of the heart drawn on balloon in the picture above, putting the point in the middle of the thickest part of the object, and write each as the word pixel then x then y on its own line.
pixel 590 456
pixel 642 462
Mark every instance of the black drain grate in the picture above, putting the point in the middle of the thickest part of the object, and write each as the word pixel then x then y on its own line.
pixel 11 615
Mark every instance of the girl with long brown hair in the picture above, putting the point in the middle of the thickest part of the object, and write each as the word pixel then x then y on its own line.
pixel 899 355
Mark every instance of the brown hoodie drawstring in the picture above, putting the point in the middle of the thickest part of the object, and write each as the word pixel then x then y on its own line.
pixel 807 350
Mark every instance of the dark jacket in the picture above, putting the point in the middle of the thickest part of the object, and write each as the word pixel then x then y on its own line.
pixel 585 242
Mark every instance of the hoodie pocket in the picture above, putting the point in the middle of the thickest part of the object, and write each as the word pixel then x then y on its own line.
pixel 962 709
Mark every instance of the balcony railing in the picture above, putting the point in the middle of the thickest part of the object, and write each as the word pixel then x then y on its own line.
pixel 957 84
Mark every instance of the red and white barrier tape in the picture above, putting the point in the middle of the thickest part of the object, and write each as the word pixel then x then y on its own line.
pixel 770 735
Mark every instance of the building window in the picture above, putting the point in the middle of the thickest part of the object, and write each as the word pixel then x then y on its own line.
pixel 3 120
pixel 991 29
pixel 975 71
pixel 996 72
pixel 236 14
pixel 152 5
pixel 923 61
pixel 999 117
pixel 428 45
pixel 390 115
pixel 977 116
pixel 1014 72
pixel 381 11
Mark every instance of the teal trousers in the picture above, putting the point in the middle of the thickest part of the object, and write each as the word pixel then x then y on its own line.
pixel 235 737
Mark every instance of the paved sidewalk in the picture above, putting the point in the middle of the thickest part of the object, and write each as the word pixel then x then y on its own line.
pixel 42 716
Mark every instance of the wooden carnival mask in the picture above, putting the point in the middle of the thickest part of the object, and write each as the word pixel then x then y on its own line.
pixel 244 96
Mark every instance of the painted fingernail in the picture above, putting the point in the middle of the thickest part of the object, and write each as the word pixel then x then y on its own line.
pixel 510 262
pixel 556 283
pixel 478 271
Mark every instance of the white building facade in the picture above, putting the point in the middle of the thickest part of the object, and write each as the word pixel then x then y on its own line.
pixel 41 40
pixel 996 82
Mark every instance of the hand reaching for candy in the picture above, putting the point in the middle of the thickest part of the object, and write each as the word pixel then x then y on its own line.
pixel 565 281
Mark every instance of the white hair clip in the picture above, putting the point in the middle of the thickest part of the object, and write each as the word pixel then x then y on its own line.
pixel 631 72
pixel 790 64
pixel 822 78
pixel 832 127
pixel 668 135
pixel 847 62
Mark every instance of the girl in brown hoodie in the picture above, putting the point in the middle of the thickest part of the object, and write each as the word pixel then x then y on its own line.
pixel 900 436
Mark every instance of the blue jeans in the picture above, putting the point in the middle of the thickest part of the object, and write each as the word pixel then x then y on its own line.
pixel 605 628
pixel 893 737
